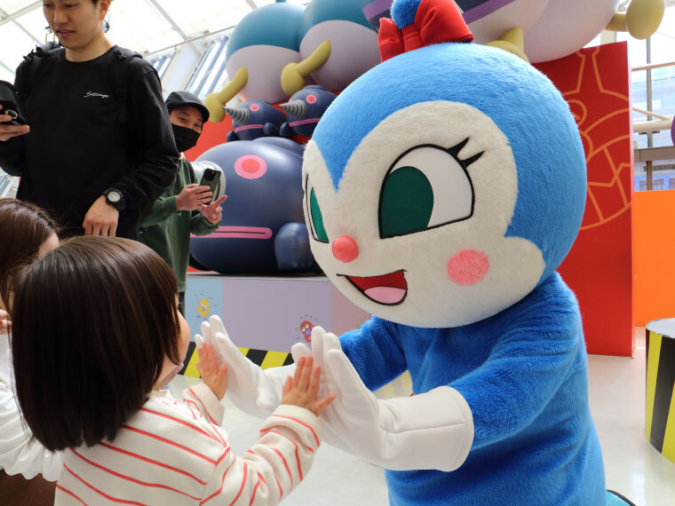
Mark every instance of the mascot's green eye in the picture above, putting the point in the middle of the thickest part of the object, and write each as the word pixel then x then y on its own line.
pixel 427 187
pixel 407 202
pixel 318 229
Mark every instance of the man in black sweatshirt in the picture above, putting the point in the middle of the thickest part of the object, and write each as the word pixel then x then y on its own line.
pixel 77 157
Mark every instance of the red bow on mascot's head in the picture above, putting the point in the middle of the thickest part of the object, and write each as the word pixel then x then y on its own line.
pixel 436 21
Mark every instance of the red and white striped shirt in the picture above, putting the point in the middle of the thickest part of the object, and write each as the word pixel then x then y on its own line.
pixel 172 453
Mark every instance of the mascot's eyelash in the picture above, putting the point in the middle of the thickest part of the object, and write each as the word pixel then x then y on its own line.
pixel 454 152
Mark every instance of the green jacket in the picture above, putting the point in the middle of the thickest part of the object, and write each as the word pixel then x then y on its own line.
pixel 167 231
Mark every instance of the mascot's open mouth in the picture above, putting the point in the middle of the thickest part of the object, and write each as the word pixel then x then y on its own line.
pixel 388 289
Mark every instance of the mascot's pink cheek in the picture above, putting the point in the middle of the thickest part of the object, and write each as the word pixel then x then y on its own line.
pixel 468 267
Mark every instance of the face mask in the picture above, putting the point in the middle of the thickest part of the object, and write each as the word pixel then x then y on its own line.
pixel 186 138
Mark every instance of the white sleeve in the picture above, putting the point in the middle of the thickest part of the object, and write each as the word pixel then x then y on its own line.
pixel 201 398
pixel 18 454
pixel 398 434
pixel 273 467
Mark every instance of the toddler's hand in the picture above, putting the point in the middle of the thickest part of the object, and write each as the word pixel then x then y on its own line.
pixel 213 376
pixel 5 322
pixel 302 389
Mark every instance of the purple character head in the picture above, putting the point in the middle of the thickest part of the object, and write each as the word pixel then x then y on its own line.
pixel 304 110
pixel 264 208
pixel 254 119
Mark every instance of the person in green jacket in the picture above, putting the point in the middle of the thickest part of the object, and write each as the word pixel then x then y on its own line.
pixel 185 207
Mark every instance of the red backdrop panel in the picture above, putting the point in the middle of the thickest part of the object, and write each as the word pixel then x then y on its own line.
pixel 213 134
pixel 596 84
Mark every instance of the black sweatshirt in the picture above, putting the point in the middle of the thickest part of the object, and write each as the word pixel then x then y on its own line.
pixel 78 147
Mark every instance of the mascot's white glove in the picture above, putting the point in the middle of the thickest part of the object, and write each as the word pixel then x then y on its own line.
pixel 251 389
pixel 322 343
pixel 433 430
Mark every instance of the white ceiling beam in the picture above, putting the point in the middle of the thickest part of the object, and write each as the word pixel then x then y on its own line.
pixel 150 54
pixel 169 19
pixel 21 12
pixel 6 67
pixel 4 13
pixel 199 37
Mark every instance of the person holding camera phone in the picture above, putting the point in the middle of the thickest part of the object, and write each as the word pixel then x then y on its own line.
pixel 97 145
pixel 186 207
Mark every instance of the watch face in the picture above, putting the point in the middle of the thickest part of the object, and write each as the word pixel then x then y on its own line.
pixel 114 196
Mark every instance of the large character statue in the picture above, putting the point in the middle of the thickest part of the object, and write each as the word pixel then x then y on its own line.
pixel 499 23
pixel 568 25
pixel 304 110
pixel 337 45
pixel 278 49
pixel 254 119
pixel 444 210
pixel 260 46
pixel 543 30
pixel 263 231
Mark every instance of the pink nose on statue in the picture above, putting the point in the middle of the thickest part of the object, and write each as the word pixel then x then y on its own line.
pixel 345 249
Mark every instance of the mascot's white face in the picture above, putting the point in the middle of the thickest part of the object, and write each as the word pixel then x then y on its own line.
pixel 415 233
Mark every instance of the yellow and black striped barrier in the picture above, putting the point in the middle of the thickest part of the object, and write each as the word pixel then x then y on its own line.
pixel 264 359
pixel 660 398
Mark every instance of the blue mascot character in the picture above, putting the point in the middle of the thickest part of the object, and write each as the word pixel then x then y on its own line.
pixel 263 231
pixel 254 119
pixel 304 110
pixel 444 210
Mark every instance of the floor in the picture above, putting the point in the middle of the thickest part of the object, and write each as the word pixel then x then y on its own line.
pixel 617 396
pixel 617 391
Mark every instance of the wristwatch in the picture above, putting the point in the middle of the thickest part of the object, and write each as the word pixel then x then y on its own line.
pixel 114 197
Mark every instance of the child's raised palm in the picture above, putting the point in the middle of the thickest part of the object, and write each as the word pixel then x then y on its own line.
pixel 213 376
pixel 303 388
pixel 5 322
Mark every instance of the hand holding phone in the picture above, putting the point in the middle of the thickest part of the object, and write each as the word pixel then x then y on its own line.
pixel 211 178
pixel 193 196
pixel 12 124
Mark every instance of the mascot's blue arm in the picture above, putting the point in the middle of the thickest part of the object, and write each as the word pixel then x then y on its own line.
pixel 375 352
pixel 532 363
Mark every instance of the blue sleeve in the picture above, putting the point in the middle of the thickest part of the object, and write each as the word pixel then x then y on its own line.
pixel 375 352
pixel 542 345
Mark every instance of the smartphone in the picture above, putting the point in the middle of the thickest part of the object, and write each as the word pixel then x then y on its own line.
pixel 9 104
pixel 211 178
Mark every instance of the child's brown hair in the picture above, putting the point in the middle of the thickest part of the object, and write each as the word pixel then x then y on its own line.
pixel 24 227
pixel 93 322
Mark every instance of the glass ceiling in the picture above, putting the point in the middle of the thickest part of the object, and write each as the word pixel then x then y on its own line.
pixel 145 26
pixel 151 26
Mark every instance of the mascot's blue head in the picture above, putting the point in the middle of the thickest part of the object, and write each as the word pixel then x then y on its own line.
pixel 446 183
